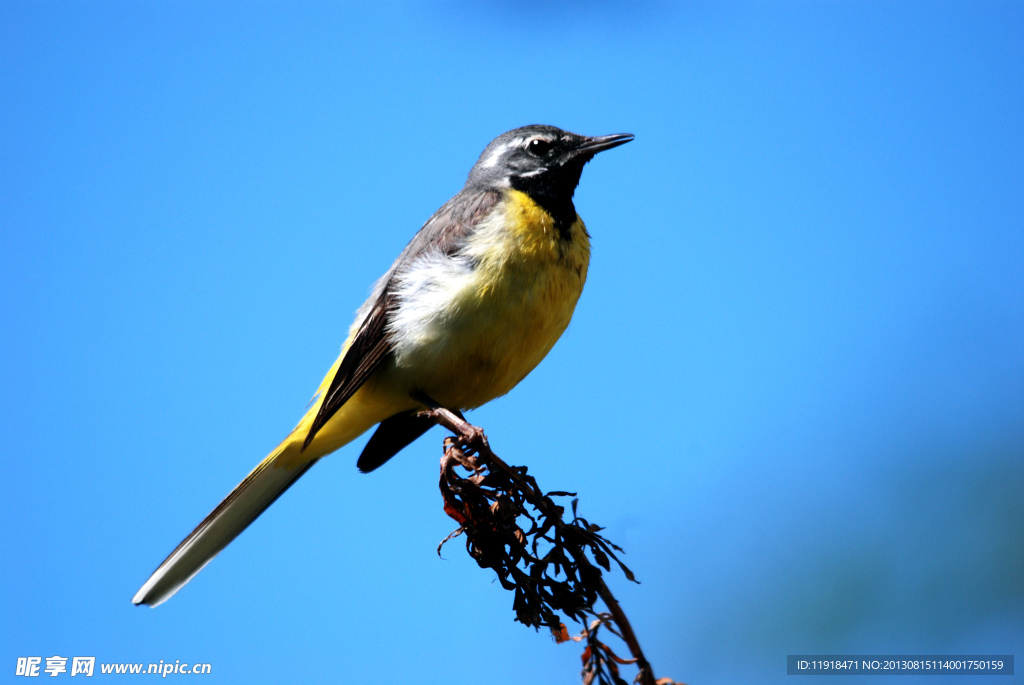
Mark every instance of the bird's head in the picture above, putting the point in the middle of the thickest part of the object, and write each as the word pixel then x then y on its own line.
pixel 542 161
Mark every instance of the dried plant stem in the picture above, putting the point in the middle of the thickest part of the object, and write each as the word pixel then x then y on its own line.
pixel 646 675
pixel 474 438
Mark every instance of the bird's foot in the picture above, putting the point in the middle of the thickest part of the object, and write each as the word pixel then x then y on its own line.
pixel 471 436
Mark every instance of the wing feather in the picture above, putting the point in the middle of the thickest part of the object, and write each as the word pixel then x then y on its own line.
pixel 445 232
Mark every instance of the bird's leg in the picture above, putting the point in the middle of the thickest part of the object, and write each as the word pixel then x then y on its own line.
pixel 453 420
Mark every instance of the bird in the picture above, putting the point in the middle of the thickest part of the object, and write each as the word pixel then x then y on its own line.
pixel 473 303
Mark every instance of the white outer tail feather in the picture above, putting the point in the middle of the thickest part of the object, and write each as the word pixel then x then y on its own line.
pixel 247 501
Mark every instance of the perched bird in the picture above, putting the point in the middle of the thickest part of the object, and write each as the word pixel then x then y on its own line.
pixel 473 303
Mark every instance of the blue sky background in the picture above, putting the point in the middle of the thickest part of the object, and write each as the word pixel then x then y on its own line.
pixel 793 389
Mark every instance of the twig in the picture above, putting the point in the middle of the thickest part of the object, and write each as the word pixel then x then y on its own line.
pixel 487 504
pixel 646 675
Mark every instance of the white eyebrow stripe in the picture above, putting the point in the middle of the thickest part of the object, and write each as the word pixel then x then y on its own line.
pixel 493 158
pixel 498 152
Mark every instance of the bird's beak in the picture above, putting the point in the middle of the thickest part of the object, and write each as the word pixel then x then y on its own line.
pixel 591 146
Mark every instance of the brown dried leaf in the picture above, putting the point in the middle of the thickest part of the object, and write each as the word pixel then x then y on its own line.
pixel 619 659
pixel 561 634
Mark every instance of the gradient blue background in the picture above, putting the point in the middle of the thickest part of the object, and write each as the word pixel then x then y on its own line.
pixel 793 389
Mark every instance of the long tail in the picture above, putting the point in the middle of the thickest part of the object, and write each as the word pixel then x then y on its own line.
pixel 247 501
pixel 268 481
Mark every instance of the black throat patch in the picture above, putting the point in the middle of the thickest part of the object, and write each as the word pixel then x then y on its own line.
pixel 554 195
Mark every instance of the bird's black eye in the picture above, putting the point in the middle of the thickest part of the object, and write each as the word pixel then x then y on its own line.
pixel 539 147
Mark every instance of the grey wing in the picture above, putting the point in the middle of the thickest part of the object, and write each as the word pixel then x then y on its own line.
pixel 444 231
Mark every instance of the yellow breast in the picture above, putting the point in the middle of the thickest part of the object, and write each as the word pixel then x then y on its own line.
pixel 505 300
